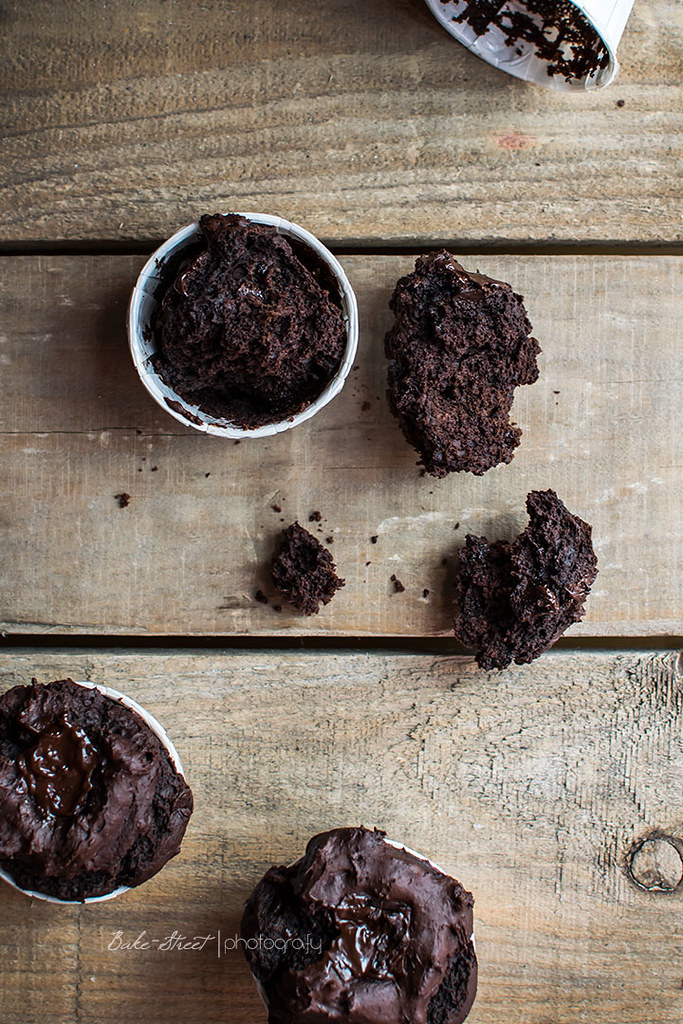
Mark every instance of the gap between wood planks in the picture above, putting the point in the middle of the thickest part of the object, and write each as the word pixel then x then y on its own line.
pixel 365 247
pixel 396 645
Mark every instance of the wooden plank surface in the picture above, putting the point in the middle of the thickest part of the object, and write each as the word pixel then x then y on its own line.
pixel 602 427
pixel 531 786
pixel 364 121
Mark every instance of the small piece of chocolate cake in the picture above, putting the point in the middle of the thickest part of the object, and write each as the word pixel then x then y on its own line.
pixel 515 599
pixel 251 329
pixel 304 571
pixel 460 346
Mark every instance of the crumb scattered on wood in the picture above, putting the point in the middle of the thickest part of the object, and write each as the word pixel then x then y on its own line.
pixel 398 586
pixel 123 499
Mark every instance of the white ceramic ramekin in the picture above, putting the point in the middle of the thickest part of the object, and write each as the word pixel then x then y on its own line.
pixel 145 301
pixel 161 734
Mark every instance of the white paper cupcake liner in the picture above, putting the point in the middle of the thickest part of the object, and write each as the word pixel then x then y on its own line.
pixel 161 734
pixel 608 18
pixel 145 301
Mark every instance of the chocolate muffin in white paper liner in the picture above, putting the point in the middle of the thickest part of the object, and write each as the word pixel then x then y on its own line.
pixel 384 935
pixel 157 276
pixel 561 44
pixel 63 781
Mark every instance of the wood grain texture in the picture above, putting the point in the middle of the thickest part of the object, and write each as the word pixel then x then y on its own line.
pixel 530 786
pixel 188 554
pixel 364 121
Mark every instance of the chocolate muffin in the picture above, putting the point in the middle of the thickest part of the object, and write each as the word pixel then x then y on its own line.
pixel 90 799
pixel 460 346
pixel 250 328
pixel 359 931
pixel 304 571
pixel 515 599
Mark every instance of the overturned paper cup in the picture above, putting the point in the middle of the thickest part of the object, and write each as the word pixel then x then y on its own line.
pixel 159 273
pixel 561 44
pixel 67 739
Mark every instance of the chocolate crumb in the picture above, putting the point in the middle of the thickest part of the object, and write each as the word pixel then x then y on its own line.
pixel 276 508
pixel 367 564
pixel 123 499
pixel 365 406
pixel 304 571
pixel 621 103
pixel 260 597
pixel 398 586
pixel 425 592
pixel 315 517
pixel 154 469
pixel 207 474
pixel 373 540
pixel 457 526
pixel 238 441
pixel 329 540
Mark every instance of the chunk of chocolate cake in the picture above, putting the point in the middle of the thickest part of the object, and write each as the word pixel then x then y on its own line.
pixel 304 571
pixel 250 329
pixel 90 799
pixel 515 599
pixel 557 30
pixel 360 931
pixel 460 346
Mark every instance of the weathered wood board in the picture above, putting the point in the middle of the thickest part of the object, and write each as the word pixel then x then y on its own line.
pixel 602 427
pixel 530 786
pixel 364 121
pixel 75 407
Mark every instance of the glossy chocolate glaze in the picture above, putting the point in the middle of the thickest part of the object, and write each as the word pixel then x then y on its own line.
pixel 58 770
pixel 389 928
pixel 89 798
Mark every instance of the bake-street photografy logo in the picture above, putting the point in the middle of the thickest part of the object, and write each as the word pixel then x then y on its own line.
pixel 177 942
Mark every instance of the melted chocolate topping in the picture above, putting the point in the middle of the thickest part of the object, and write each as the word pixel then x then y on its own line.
pixel 58 769
pixel 89 797
pixel 389 928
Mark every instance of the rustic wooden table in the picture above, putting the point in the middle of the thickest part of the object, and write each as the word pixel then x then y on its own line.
pixel 366 123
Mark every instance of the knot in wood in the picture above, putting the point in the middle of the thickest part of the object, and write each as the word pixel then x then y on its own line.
pixel 656 865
